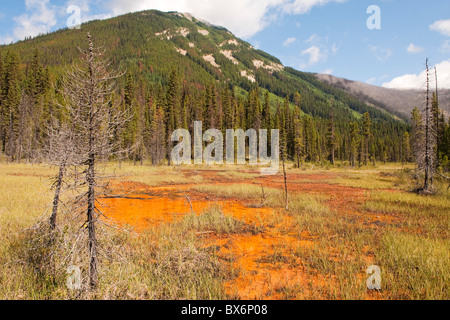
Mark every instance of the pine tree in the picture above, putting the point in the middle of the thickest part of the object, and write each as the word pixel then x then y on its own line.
pixel 256 110
pixel 211 107
pixel 2 105
pixel 228 109
pixel 417 134
pixel 332 134
pixel 310 134
pixel 158 130
pixel 129 92
pixel 185 107
pixel 436 118
pixel 298 130
pixel 367 123
pixel 282 127
pixel 354 142
pixel 130 134
pixel 266 112
pixel 289 127
pixel 12 98
pixel 172 108
pixel 406 148
pixel 36 78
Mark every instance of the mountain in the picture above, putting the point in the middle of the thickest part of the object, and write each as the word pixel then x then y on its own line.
pixel 149 43
pixel 396 101
pixel 180 70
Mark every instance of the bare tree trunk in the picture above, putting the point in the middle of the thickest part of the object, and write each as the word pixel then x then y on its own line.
pixel 437 119
pixel 56 199
pixel 285 186
pixel 332 134
pixel 169 152
pixel 90 178
pixel 427 186
pixel 93 274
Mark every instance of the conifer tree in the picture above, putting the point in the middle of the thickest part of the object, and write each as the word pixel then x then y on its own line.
pixel 266 112
pixel 172 106
pixel 158 130
pixel 406 148
pixel 281 121
pixel 354 142
pixel 298 130
pixel 12 97
pixel 310 139
pixel 332 134
pixel 228 109
pixel 417 134
pixel 367 123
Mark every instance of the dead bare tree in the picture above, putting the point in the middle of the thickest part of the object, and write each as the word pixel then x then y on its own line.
pixel 428 147
pixel 94 117
pixel 60 152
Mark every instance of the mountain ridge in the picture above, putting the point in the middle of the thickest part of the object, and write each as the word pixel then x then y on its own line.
pixel 398 101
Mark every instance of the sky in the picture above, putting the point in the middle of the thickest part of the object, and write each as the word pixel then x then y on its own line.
pixel 384 42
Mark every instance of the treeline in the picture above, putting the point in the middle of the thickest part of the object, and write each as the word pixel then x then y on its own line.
pixel 439 131
pixel 311 131
pixel 25 106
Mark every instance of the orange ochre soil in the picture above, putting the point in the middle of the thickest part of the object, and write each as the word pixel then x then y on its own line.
pixel 266 269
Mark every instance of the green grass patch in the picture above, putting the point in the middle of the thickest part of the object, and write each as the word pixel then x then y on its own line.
pixel 212 219
pixel 415 267
pixel 424 214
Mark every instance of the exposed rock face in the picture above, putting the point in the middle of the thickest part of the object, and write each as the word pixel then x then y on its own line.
pixel 203 32
pixel 211 60
pixel 229 55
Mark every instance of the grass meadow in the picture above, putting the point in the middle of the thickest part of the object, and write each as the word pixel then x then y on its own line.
pixel 243 243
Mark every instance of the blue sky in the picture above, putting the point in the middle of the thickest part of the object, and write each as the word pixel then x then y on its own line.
pixel 324 36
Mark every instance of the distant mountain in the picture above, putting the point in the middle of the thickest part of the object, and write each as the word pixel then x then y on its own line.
pixel 398 102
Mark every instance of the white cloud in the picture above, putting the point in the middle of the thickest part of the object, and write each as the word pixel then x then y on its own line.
pixel 327 71
pixel 417 81
pixel 441 26
pixel 371 80
pixel 314 39
pixel 86 15
pixel 375 80
pixel 244 18
pixel 6 39
pixel 289 41
pixel 334 48
pixel 380 53
pixel 412 48
pixel 318 51
pixel 446 46
pixel 40 18
pixel 315 54
pixel 304 6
